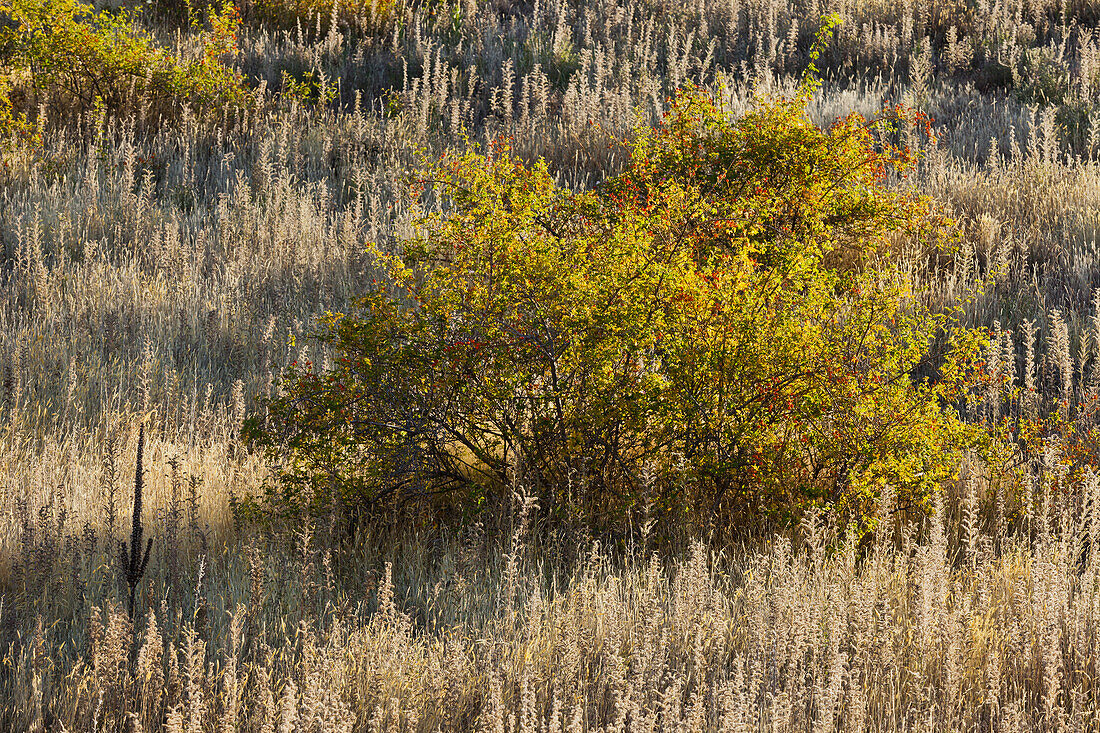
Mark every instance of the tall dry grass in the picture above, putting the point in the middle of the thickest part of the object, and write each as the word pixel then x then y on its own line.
pixel 933 626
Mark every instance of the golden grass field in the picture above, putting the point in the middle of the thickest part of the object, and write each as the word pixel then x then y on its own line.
pixel 165 275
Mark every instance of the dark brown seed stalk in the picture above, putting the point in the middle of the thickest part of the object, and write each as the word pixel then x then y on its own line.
pixel 133 560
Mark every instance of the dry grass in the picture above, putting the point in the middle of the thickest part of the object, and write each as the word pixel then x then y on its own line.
pixel 930 627
pixel 165 276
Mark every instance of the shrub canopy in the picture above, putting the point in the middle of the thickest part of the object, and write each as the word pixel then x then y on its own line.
pixel 717 330
pixel 70 54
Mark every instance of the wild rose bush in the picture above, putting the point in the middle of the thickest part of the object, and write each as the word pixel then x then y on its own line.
pixel 72 55
pixel 717 332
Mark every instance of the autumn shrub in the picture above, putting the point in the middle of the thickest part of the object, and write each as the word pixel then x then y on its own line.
pixel 716 331
pixel 16 131
pixel 68 54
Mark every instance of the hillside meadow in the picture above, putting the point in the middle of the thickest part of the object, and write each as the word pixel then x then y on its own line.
pixel 185 191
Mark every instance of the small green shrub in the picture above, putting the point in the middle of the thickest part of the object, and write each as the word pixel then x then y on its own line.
pixel 310 89
pixel 717 331
pixel 558 63
pixel 77 58
pixel 16 132
pixel 1041 77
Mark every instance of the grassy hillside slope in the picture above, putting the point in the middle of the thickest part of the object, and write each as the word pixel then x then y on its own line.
pixel 162 263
